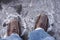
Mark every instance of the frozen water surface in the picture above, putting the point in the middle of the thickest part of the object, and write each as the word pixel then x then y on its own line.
pixel 31 9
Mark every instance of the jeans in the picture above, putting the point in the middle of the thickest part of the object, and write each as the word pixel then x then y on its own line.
pixel 39 35
pixel 34 35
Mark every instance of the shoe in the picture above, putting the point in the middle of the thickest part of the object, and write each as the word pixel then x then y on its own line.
pixel 13 27
pixel 42 22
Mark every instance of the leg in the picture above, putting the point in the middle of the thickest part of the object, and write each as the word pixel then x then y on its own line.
pixel 1 39
pixel 39 35
pixel 13 30
pixel 41 27
pixel 14 37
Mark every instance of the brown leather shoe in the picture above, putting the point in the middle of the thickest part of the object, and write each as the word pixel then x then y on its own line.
pixel 42 22
pixel 13 27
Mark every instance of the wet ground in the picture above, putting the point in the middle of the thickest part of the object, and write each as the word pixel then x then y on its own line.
pixel 30 9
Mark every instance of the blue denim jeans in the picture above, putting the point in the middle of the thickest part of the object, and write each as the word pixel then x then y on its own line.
pixel 39 35
pixel 34 35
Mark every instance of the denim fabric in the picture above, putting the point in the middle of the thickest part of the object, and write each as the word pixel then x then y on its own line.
pixel 39 35
pixel 13 37
pixel 34 35
pixel 1 39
